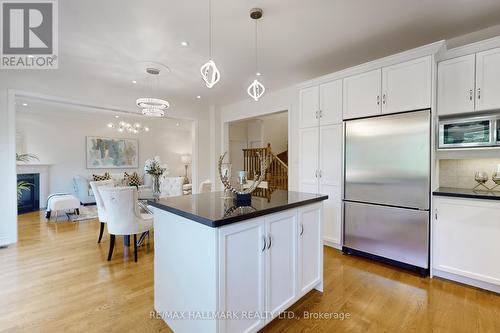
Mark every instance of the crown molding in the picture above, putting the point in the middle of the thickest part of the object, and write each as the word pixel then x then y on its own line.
pixel 463 50
pixel 425 50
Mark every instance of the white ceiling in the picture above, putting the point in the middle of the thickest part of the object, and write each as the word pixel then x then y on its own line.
pixel 103 42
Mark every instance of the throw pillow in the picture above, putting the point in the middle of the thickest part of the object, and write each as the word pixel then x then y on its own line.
pixel 133 179
pixel 98 178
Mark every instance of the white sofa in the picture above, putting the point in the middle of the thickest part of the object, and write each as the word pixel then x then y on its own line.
pixel 81 185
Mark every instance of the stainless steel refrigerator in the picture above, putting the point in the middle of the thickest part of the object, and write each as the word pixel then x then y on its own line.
pixel 387 187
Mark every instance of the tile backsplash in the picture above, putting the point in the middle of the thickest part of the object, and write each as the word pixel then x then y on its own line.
pixel 460 173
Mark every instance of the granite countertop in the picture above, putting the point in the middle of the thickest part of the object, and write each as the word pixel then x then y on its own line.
pixel 214 211
pixel 466 193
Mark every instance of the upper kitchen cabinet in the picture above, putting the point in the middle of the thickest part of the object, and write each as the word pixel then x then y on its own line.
pixel 330 96
pixel 407 86
pixel 488 80
pixel 456 85
pixel 309 107
pixel 469 83
pixel 362 95
pixel 321 105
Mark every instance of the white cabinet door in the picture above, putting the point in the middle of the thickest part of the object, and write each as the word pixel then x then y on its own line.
pixel 309 105
pixel 466 236
pixel 456 85
pixel 332 215
pixel 242 273
pixel 407 86
pixel 488 80
pixel 310 248
pixel 330 154
pixel 362 96
pixel 330 95
pixel 281 265
pixel 308 161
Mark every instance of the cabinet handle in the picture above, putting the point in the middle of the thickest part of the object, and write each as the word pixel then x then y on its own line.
pixel 301 229
pixel 320 173
pixel 435 214
pixel 470 95
pixel 383 99
pixel 316 174
pixel 320 114
pixel 264 239
pixel 478 93
pixel 270 242
pixel 378 99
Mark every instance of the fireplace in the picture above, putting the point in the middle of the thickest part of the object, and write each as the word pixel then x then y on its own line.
pixel 30 198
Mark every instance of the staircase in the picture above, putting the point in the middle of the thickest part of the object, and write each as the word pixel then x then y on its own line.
pixel 276 173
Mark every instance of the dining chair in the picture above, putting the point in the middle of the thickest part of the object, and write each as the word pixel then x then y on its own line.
pixel 123 215
pixel 205 186
pixel 101 211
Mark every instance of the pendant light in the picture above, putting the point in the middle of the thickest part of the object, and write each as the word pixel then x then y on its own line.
pixel 256 89
pixel 150 106
pixel 209 72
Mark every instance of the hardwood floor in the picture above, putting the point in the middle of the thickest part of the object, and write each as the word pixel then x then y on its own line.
pixel 57 279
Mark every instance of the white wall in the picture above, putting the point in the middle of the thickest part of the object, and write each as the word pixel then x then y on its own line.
pixel 275 131
pixel 58 139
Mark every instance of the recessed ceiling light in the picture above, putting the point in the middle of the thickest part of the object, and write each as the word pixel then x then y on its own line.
pixel 134 81
pixel 198 97
pixel 117 117
pixel 177 124
pixel 184 43
pixel 25 104
pixel 258 73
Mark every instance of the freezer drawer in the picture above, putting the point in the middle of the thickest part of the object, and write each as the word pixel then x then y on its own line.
pixel 395 233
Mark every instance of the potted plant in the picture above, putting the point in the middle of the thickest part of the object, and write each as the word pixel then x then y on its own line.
pixel 22 185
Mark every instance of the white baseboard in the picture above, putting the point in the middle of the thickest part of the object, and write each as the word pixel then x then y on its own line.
pixel 465 280
pixel 331 243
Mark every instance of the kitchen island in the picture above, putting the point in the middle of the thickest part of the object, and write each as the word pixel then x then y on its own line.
pixel 221 268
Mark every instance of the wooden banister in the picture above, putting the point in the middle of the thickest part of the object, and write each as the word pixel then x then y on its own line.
pixel 276 173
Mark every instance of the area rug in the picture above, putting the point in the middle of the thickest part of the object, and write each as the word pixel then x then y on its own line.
pixel 87 213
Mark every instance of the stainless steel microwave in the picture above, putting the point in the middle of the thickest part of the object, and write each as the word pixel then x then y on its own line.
pixel 469 132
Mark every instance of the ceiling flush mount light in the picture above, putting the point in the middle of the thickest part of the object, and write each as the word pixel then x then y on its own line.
pixel 209 71
pixel 256 89
pixel 184 43
pixel 198 97
pixel 150 106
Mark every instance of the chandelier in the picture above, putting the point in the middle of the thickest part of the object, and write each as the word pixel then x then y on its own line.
pixel 150 106
pixel 209 71
pixel 256 89
pixel 123 126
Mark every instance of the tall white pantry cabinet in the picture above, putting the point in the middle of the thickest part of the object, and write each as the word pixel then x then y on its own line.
pixel 320 145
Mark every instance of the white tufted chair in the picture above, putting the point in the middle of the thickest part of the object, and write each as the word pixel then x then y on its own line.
pixel 123 215
pixel 101 211
pixel 171 186
pixel 205 186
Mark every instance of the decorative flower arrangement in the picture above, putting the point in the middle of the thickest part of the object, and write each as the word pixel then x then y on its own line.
pixel 154 168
